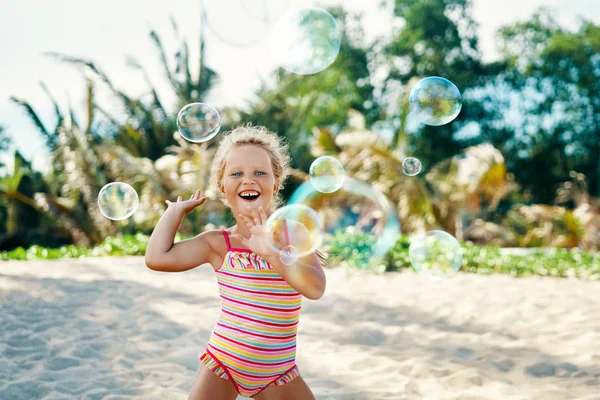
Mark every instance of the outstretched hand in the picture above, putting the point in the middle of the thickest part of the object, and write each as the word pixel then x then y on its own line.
pixel 187 206
pixel 258 242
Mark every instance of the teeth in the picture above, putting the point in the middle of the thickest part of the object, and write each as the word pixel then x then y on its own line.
pixel 249 193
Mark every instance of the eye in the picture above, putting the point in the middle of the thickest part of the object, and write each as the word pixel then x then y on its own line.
pixel 236 174
pixel 259 173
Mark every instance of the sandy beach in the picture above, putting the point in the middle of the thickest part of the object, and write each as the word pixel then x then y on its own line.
pixel 109 328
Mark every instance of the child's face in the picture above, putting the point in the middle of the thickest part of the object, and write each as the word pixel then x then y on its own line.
pixel 248 179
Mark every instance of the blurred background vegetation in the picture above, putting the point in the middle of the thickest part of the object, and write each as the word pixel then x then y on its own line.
pixel 519 167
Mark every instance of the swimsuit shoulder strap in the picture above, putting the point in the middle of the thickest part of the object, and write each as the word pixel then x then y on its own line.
pixel 226 235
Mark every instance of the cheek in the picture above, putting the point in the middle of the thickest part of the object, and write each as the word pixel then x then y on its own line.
pixel 269 184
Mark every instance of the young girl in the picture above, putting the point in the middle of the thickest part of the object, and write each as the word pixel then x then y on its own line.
pixel 252 349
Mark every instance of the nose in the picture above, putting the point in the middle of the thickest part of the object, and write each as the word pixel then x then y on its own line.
pixel 248 180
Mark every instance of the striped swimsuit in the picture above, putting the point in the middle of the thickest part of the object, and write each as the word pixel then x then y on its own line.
pixel 253 343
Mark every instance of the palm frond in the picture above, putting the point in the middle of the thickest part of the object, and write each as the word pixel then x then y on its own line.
pixel 163 58
pixel 51 141
pixel 129 104
pixel 59 115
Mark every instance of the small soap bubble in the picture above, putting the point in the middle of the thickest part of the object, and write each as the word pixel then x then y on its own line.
pixel 326 174
pixel 118 201
pixel 436 255
pixel 411 166
pixel 288 255
pixel 198 122
pixel 435 101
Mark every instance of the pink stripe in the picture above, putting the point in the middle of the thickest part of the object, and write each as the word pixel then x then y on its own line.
pixel 248 363
pixel 280 279
pixel 255 334
pixel 257 292
pixel 281 310
pixel 260 349
pixel 240 250
pixel 258 321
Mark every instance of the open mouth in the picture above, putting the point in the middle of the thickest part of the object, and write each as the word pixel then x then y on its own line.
pixel 249 195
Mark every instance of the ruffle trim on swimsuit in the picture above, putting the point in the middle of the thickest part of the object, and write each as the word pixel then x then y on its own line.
pixel 212 365
pixel 220 372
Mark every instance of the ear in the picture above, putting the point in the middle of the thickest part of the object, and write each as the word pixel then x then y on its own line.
pixel 275 188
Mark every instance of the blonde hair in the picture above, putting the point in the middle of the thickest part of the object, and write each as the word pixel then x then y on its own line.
pixel 258 136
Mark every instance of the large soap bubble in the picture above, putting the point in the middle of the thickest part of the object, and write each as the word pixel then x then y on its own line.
pixel 360 224
pixel 435 101
pixel 118 201
pixel 436 255
pixel 198 122
pixel 305 41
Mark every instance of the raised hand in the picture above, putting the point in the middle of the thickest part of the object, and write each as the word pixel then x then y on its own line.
pixel 258 241
pixel 187 206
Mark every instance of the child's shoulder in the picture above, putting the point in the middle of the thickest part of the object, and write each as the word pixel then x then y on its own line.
pixel 216 241
pixel 214 237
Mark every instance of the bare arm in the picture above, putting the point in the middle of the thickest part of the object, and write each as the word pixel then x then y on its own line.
pixel 162 254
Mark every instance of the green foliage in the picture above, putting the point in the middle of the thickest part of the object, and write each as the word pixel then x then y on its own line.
pixel 349 247
pixel 554 75
pixel 436 38
pixel 129 245
pixel 353 250
pixel 490 259
pixel 343 251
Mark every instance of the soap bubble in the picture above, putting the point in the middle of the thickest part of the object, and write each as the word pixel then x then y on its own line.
pixel 198 122
pixel 411 166
pixel 326 174
pixel 252 21
pixel 436 101
pixel 265 11
pixel 294 231
pixel 288 255
pixel 436 255
pixel 360 224
pixel 118 201
pixel 305 41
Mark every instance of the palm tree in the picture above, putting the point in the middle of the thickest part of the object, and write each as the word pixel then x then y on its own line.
pixel 86 157
pixel 149 125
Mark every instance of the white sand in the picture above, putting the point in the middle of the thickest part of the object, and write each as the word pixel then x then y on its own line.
pixel 109 328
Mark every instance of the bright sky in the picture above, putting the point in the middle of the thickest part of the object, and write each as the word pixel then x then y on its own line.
pixel 108 31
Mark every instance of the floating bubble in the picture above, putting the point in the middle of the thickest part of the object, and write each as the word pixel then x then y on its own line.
pixel 118 201
pixel 265 11
pixel 248 18
pixel 436 101
pixel 360 224
pixel 294 231
pixel 198 122
pixel 288 255
pixel 326 174
pixel 436 255
pixel 305 41
pixel 411 166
